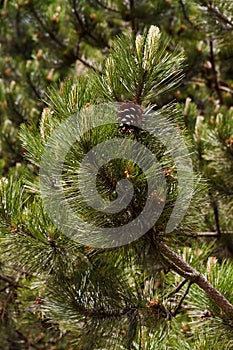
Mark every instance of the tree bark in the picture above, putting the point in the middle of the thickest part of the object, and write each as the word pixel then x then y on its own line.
pixel 196 277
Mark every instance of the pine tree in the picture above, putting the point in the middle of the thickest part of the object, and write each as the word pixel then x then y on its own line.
pixel 134 290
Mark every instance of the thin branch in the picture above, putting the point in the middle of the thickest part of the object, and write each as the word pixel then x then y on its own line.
pixel 193 275
pixel 216 82
pixel 196 80
pixel 11 102
pixel 43 26
pixel 213 233
pixel 216 217
pixel 140 88
pixel 214 205
pixel 84 26
pixel 182 299
pixel 225 88
pixel 186 15
pixel 221 87
pixel 133 22
pixel 107 7
pixel 177 289
pixel 13 283
pixel 9 280
pixel 220 15
pixel 26 340
pixel 5 303
pixel 17 23
pixel 87 64
pixel 77 16
pixel 32 86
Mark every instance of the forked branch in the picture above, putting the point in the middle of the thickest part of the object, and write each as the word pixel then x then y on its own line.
pixel 189 273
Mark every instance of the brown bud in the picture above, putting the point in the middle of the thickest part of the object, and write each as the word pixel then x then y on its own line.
pixel 54 18
pixel 7 72
pixel 93 16
pixel 39 54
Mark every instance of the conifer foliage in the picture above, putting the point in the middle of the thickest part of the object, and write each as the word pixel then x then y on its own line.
pixel 136 95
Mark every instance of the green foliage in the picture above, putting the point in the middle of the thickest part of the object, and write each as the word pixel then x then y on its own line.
pixel 140 70
pixel 62 59
pixel 205 313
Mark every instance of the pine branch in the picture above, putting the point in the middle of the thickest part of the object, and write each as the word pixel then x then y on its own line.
pixel 174 313
pixel 26 340
pixel 87 64
pixel 84 26
pixel 194 276
pixel 9 280
pixel 220 15
pixel 77 15
pixel 107 7
pixel 35 90
pixel 18 114
pixel 177 289
pixel 226 89
pixel 215 73
pixel 133 22
pixel 216 217
pixel 186 15
pixel 44 27
pixel 17 23
pixel 213 233
pixel 80 22
pixel 221 87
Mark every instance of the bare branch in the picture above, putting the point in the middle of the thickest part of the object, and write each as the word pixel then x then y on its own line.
pixel 177 289
pixel 133 22
pixel 216 82
pixel 193 275
pixel 213 233
pixel 182 299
